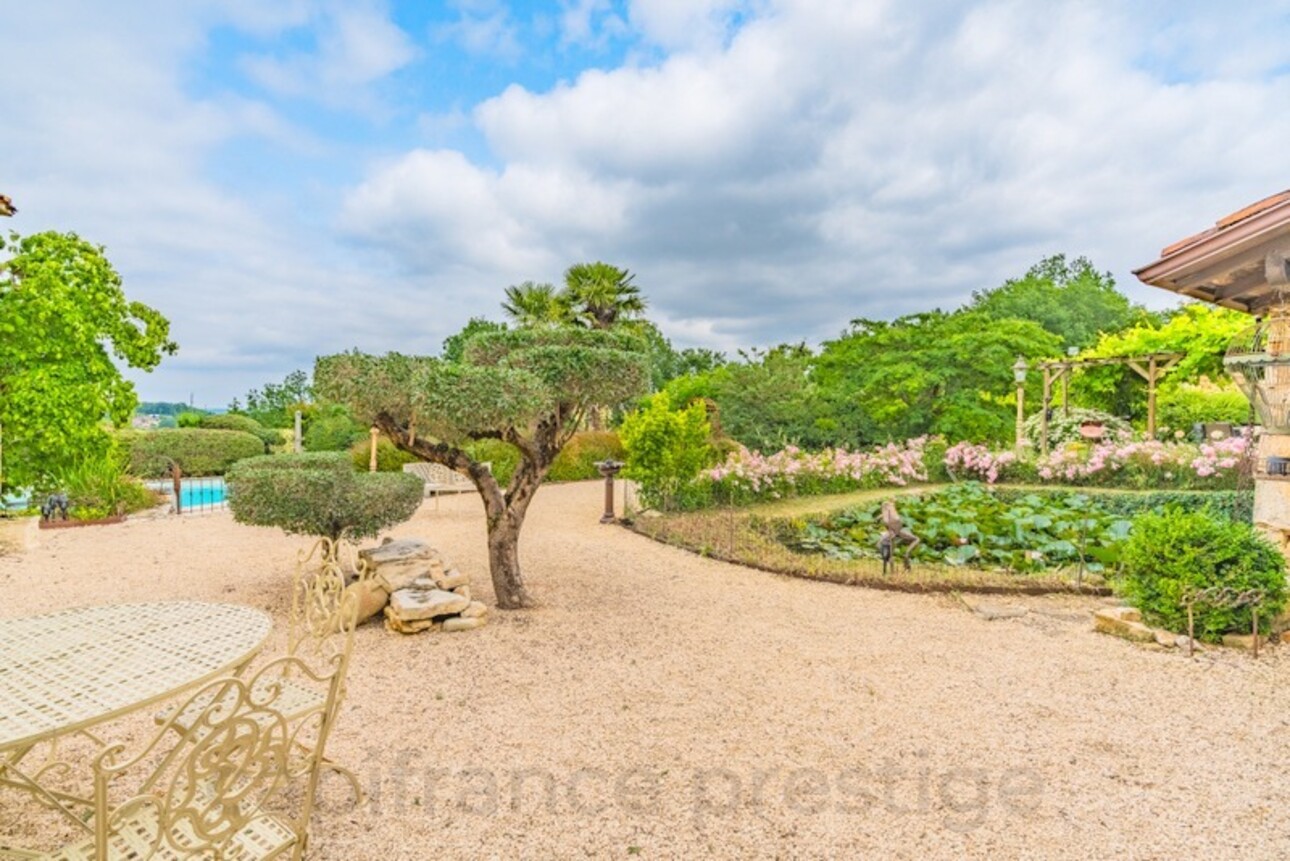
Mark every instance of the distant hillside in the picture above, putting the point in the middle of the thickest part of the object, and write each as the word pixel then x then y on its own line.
pixel 167 408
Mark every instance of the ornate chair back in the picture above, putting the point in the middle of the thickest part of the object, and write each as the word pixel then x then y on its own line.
pixel 325 601
pixel 225 790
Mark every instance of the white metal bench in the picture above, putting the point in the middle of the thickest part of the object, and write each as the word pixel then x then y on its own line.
pixel 440 479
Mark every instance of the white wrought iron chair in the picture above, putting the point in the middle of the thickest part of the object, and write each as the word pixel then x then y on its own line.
pixel 325 602
pixel 239 782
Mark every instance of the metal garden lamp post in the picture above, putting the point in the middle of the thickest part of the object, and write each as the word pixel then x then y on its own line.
pixel 1019 374
pixel 609 468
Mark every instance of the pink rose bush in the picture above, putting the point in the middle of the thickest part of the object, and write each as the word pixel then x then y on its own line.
pixel 747 476
pixel 972 460
pixel 1148 464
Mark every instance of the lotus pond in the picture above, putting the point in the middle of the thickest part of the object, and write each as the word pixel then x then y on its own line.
pixel 968 525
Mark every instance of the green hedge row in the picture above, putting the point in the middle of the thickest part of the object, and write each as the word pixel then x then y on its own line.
pixel 1234 505
pixel 245 424
pixel 198 451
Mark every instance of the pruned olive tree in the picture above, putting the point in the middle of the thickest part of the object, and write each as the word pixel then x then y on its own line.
pixel 320 493
pixel 529 387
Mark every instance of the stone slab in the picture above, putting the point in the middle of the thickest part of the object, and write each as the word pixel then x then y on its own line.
pixel 398 551
pixel 408 605
pixel 1109 622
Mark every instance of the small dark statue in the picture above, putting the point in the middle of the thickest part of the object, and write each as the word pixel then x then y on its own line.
pixel 894 533
pixel 56 504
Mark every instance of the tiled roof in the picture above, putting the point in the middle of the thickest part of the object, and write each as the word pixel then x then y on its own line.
pixel 1228 264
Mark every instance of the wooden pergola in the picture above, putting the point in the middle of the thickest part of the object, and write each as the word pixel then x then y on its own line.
pixel 1150 367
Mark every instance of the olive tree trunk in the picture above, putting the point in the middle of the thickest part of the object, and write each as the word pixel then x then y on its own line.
pixel 505 509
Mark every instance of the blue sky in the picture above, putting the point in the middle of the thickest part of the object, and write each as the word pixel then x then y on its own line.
pixel 289 179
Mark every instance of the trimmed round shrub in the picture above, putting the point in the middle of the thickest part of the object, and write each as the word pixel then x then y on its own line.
pixel 198 451
pixel 1172 552
pixel 388 458
pixel 577 460
pixel 320 494
pixel 245 424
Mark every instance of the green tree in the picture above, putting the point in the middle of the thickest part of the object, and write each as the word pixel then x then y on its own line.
pixel 275 405
pixel 64 318
pixel 1071 299
pixel 668 363
pixel 320 494
pixel 600 296
pixel 924 373
pixel 531 304
pixel 454 346
pixel 666 446
pixel 767 399
pixel 530 387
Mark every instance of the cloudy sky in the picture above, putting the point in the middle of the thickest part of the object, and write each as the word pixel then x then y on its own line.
pixel 299 177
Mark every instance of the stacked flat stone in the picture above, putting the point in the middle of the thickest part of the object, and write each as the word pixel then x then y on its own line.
pixel 418 589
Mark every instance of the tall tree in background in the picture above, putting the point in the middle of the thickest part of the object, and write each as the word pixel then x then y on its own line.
pixel 63 319
pixel 928 373
pixel 531 304
pixel 275 405
pixel 600 295
pixel 529 387
pixel 1201 332
pixel 1071 299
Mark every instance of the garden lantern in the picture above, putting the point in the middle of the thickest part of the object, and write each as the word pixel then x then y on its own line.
pixel 1241 263
pixel 1019 374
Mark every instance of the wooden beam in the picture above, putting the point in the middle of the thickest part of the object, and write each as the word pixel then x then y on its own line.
pixel 1043 412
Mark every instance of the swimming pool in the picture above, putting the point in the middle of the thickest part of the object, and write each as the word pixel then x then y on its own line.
pixel 195 494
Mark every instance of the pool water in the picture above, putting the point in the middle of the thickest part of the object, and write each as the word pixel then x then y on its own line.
pixel 204 493
pixel 195 494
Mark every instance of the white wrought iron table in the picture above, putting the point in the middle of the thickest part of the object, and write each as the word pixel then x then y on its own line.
pixel 64 672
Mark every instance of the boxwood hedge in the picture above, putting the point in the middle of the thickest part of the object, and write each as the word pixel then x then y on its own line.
pixel 197 451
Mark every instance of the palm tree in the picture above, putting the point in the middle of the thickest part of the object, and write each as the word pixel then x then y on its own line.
pixel 599 295
pixel 530 304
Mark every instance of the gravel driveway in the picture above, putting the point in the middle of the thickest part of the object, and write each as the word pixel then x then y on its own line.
pixel 661 705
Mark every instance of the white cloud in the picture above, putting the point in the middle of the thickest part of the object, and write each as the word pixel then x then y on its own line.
pixel 101 139
pixel 685 24
pixel 839 159
pixel 484 27
pixel 356 44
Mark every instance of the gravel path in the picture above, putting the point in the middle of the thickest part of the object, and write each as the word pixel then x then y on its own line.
pixel 662 705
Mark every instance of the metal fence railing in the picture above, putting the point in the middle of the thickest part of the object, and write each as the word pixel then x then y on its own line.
pixel 194 495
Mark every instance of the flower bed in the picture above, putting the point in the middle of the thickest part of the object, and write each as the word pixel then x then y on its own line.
pixel 749 476
pixel 1148 463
